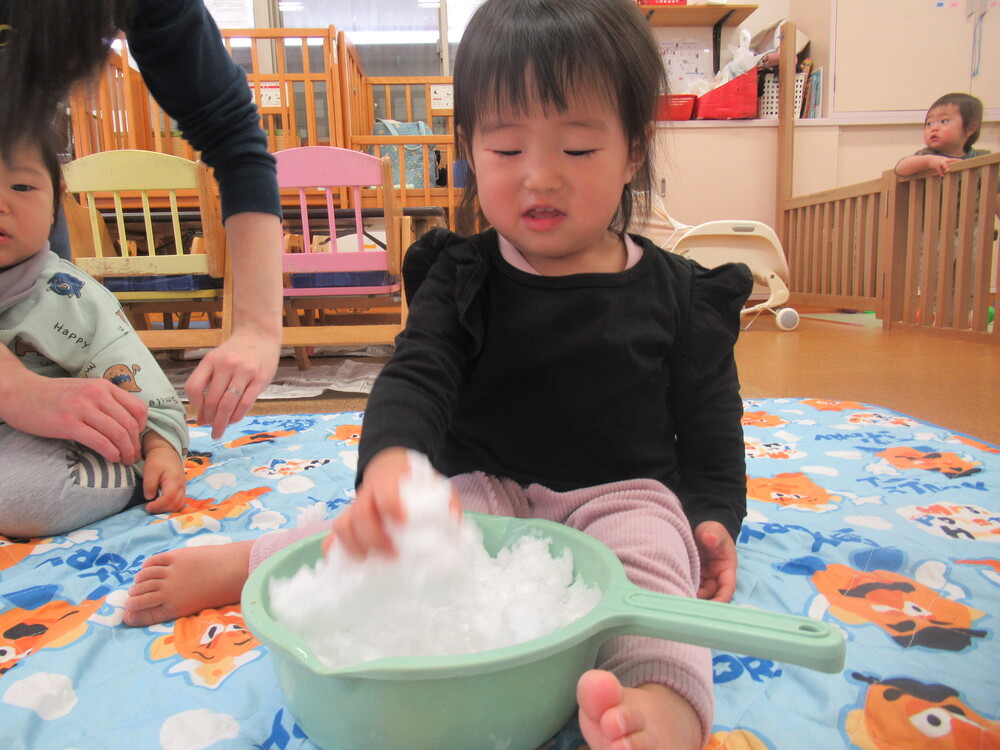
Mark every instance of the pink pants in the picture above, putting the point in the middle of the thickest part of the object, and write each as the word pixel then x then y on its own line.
pixel 642 522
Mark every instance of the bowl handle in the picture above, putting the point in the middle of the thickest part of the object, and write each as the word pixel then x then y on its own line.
pixel 728 627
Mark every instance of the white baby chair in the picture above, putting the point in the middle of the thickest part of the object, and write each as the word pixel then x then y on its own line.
pixel 754 244
pixel 716 242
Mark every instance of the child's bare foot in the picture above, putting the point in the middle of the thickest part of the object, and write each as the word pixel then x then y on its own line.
pixel 185 581
pixel 649 717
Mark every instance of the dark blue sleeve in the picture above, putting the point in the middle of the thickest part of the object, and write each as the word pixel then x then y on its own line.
pixel 187 69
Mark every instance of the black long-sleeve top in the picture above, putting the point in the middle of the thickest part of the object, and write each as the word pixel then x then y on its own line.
pixel 569 381
pixel 187 69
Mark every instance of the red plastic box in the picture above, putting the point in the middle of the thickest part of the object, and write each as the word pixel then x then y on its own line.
pixel 736 100
pixel 675 107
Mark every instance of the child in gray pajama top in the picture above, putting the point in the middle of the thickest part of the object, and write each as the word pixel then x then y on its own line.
pixel 61 323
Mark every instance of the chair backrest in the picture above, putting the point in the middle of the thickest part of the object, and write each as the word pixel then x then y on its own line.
pixel 145 189
pixel 330 169
pixel 751 242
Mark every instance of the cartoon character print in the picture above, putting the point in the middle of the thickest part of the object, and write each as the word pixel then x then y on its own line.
pixel 990 569
pixel 792 490
pixel 65 284
pixel 259 437
pixel 22 348
pixel 950 465
pixel 55 624
pixel 208 514
pixel 909 612
pixel 759 449
pixel 123 377
pixel 876 419
pixel 736 739
pixel 762 419
pixel 12 551
pixel 350 434
pixel 208 647
pixel 286 467
pixel 826 404
pixel 902 712
pixel 955 520
pixel 196 463
pixel 977 444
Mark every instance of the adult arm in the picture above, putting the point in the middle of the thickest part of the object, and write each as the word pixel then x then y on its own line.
pixel 190 74
pixel 229 378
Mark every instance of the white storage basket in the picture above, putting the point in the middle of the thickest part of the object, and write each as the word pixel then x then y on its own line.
pixel 767 103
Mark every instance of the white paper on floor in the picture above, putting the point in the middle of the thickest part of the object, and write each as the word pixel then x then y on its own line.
pixel 347 376
pixel 442 594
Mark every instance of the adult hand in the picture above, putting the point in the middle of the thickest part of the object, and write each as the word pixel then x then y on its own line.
pixel 718 561
pixel 91 411
pixel 230 378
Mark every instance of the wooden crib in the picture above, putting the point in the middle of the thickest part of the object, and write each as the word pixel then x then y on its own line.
pixel 921 251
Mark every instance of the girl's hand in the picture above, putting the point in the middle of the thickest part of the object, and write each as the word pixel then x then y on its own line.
pixel 91 411
pixel 230 377
pixel 361 528
pixel 163 478
pixel 718 561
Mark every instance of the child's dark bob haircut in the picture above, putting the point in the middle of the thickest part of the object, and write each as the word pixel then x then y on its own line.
pixel 970 109
pixel 516 50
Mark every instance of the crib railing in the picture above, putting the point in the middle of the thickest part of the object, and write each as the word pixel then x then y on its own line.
pixel 832 246
pixel 311 89
pixel 407 99
pixel 921 251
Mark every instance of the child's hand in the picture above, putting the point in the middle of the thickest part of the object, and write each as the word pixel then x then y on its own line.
pixel 718 561
pixel 361 528
pixel 940 164
pixel 163 479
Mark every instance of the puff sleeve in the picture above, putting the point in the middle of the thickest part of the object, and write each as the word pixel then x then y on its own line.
pixel 705 398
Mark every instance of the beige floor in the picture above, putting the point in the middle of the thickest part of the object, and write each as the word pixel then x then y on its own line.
pixel 948 383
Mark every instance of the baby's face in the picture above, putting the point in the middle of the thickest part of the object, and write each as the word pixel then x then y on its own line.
pixel 25 206
pixel 944 130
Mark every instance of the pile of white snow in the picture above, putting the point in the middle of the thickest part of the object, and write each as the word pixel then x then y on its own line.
pixel 443 594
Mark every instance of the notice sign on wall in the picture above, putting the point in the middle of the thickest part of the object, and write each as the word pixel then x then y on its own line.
pixel 269 94
pixel 231 14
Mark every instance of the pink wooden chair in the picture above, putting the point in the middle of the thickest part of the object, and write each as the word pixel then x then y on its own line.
pixel 333 284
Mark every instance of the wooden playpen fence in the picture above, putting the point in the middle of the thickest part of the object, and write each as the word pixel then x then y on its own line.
pixel 921 251
pixel 311 89
pixel 292 73
pixel 406 99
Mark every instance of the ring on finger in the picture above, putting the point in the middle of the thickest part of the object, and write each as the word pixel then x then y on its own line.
pixel 234 390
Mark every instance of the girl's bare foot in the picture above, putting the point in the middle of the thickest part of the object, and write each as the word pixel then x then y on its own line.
pixel 185 581
pixel 649 717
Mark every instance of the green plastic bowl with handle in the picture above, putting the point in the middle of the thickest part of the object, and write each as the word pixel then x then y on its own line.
pixel 512 698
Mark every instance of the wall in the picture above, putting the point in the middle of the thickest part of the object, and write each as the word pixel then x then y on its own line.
pixel 718 170
pixel 727 170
